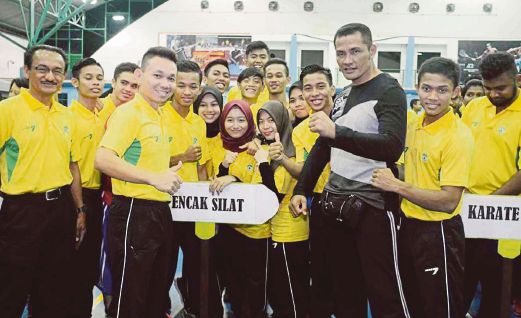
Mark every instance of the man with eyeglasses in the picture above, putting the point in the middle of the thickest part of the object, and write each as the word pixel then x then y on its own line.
pixel 42 206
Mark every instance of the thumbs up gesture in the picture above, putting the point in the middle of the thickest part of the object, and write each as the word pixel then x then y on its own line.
pixel 276 149
pixel 168 181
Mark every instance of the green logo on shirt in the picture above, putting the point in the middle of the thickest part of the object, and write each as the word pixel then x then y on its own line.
pixel 31 127
pixel 306 154
pixel 88 136
pixel 424 157
pixel 170 139
pixel 249 167
pixel 475 124
pixel 66 129
pixel 405 150
pixel 502 130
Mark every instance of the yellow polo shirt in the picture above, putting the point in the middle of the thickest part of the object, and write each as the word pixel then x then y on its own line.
pixel 498 142
pixel 411 115
pixel 214 144
pixel 304 139
pixel 284 227
pixel 436 155
pixel 244 168
pixel 137 133
pixel 91 127
pixel 235 94
pixel 37 144
pixel 108 108
pixel 182 133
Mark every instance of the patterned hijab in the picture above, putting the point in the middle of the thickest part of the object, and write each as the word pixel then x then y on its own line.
pixel 280 116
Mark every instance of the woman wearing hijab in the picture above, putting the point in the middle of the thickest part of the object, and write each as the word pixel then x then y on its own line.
pixel 288 274
pixel 298 105
pixel 245 247
pixel 208 106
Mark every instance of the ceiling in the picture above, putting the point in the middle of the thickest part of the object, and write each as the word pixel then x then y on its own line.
pixel 11 17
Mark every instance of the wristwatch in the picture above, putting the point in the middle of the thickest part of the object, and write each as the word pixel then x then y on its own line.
pixel 82 209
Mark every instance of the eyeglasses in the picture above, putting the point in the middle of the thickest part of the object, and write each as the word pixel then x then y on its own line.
pixel 44 70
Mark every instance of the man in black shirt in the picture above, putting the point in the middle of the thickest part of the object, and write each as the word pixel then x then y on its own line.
pixel 366 131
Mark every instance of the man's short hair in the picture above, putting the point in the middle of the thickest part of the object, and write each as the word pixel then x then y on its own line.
pixel 212 63
pixel 88 61
pixel 315 68
pixel 125 67
pixel 249 72
pixel 257 45
pixel 352 28
pixel 187 66
pixel 20 82
pixel 495 64
pixel 413 101
pixel 276 61
pixel 28 55
pixel 160 51
pixel 471 83
pixel 295 85
pixel 442 66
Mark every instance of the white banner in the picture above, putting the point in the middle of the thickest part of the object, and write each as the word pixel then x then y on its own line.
pixel 239 203
pixel 492 216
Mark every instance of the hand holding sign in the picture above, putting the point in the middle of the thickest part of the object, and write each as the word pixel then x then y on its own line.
pixel 168 181
pixel 262 154
pixel 298 205
pixel 276 149
pixel 193 153
pixel 217 185
pixel 229 158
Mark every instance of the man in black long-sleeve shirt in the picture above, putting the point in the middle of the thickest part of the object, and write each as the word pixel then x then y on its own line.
pixel 366 131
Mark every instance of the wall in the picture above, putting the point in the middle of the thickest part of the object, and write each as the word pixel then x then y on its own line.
pixel 11 57
pixel 432 27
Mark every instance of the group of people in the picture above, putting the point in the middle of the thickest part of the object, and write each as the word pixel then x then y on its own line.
pixel 369 193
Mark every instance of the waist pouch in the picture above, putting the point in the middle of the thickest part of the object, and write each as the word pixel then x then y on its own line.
pixel 344 210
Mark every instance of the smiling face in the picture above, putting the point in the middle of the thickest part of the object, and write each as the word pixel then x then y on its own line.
pixel 267 125
pixel 218 77
pixel 435 92
pixel 354 57
pixel 317 92
pixel 46 74
pixel 89 82
pixel 187 88
pixel 257 58
pixel 125 87
pixel 298 104
pixel 473 92
pixel 251 87
pixel 276 79
pixel 209 109
pixel 236 123
pixel 157 80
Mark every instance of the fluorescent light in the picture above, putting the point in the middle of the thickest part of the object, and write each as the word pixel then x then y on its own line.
pixel 118 17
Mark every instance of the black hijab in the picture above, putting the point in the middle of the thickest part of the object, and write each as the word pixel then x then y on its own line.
pixel 211 129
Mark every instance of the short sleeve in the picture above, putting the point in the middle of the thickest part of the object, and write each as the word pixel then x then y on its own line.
pixel 5 125
pixel 456 159
pixel 299 146
pixel 122 130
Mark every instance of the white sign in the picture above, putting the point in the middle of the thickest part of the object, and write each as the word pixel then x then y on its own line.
pixel 492 216
pixel 239 203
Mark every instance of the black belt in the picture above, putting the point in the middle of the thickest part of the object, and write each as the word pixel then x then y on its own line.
pixel 49 195
pixel 127 200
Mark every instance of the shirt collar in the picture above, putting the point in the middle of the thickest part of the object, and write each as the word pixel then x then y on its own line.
pixel 84 111
pixel 35 104
pixel 441 124
pixel 142 104
pixel 189 118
